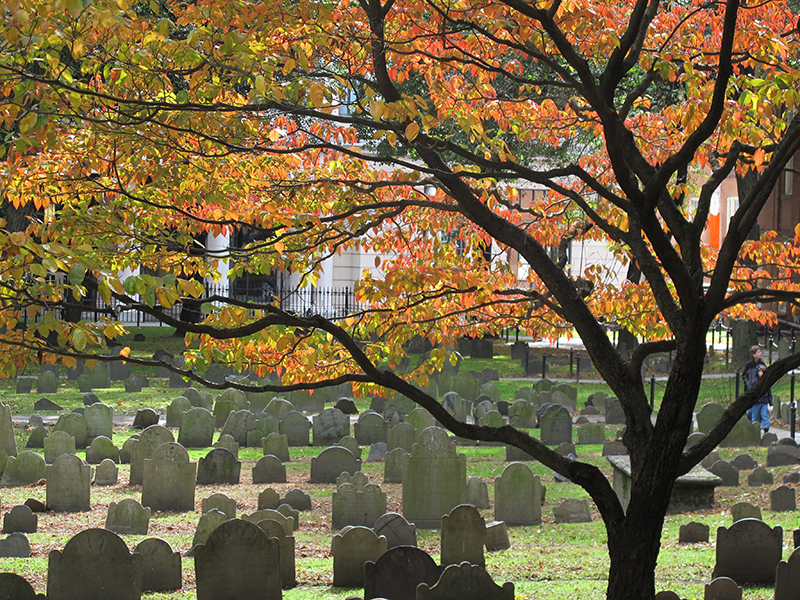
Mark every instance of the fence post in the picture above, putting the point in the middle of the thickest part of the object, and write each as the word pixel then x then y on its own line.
pixel 578 368
pixel 652 392
pixel 544 364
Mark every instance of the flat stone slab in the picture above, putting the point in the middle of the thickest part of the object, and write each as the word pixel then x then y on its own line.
pixel 691 492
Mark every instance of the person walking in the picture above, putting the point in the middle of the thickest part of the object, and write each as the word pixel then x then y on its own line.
pixel 749 371
pixel 760 410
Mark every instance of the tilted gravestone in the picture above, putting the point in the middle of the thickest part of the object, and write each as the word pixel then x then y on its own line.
pixel 196 428
pixel 614 412
pixel 238 424
pixel 288 523
pixel 397 572
pixel 518 496
pixel 726 472
pixel 370 429
pixel 75 425
pixel 268 499
pixel 238 561
pixel 356 502
pixel 8 441
pixel 402 435
pixel 434 479
pixel 161 567
pixel 396 530
pixel 693 533
pixel 522 414
pixel 175 411
pixel 463 536
pixel 143 448
pixel 24 469
pixel 69 481
pixel 207 523
pixel 556 425
pixel 220 502
pixel 100 449
pixel 330 426
pixel 56 444
pixel 276 445
pixel 748 552
pixel 106 473
pixel 169 479
pixel 331 463
pixel 229 401
pixel 393 465
pixel 36 439
pixel 465 581
pixel 128 516
pixel 273 529
pixel 477 492
pixel 20 519
pixel 296 427
pixel 759 476
pixel 219 466
pixel 269 469
pixel 279 408
pixel 787 577
pixel 94 565
pixel 351 549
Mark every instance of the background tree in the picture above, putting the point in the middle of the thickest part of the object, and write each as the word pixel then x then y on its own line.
pixel 237 122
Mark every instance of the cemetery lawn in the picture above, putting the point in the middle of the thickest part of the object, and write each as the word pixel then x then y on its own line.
pixel 548 561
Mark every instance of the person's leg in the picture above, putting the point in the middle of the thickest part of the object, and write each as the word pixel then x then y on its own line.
pixel 764 413
pixel 751 413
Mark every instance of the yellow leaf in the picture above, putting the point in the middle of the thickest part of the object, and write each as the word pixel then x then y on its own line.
pixel 126 351
pixel 412 131
pixel 316 95
pixel 376 108
pixel 261 85
pixel 274 135
pixel 289 66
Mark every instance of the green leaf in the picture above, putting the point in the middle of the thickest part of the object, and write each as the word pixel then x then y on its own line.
pixel 79 339
pixel 77 273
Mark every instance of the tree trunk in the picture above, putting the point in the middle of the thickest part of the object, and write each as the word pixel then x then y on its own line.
pixel 633 551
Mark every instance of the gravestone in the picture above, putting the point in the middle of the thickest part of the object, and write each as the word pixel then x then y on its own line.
pixel 465 581
pixel 745 510
pixel 744 462
pixel 573 510
pixel 693 533
pixel 614 413
pixel 356 503
pixel 278 408
pixel 268 499
pixel 128 517
pixel 759 476
pixel 273 529
pixel 295 426
pixel 143 448
pixel 56 444
pixel 782 499
pixel 787 577
pixel 726 472
pixel 748 552
pixel 393 466
pixel 238 561
pixel 331 463
pixel 463 536
pixel 292 514
pixel 231 400
pixel 161 567
pixel 402 435
pixel 269 469
pixel 347 406
pixel 371 428
pixel 207 523
pixel 297 499
pixel 75 425
pixel 100 449
pixel 127 449
pixel 518 496
pixel 276 444
pixel 47 383
pixel 8 441
pixel 196 428
pixel 69 481
pixel 377 452
pixel 94 565
pixel 15 545
pixel 286 522
pixel 175 411
pixel 169 479
pixel 24 469
pixel 522 414
pixel 330 426
pixel 25 384
pixel 134 385
pixel 592 433
pixel 477 492
pixel 220 502
pixel 396 530
pixel 20 519
pixel 16 587
pixel 219 466
pixel 36 439
pixel 434 479
pixel 44 405
pixel 227 442
pixel 743 434
pixel 397 572
pixel 99 421
pixel 708 415
pixel 106 473
pixel 556 425
pixel 497 536
pixel 782 454
pixel 238 424
pixel 722 588
pixel 351 549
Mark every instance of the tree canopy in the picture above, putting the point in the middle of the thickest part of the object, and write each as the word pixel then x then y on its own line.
pixel 406 128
